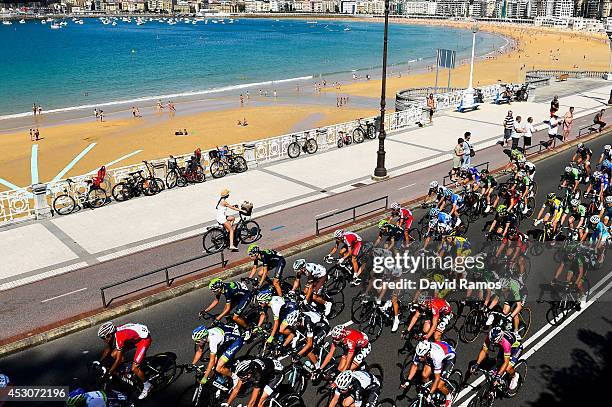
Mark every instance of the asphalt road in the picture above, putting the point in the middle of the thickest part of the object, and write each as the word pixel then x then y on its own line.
pixel 562 361
pixel 48 303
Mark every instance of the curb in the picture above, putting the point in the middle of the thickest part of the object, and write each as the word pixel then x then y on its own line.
pixel 181 289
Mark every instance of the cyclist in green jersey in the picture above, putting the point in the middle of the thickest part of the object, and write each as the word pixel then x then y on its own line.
pixel 571 178
pixel 394 234
pixel 576 214
pixel 574 262
pixel 488 184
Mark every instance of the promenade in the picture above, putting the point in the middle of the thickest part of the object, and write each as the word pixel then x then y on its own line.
pixel 89 249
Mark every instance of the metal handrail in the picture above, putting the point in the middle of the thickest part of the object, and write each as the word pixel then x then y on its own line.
pixel 447 177
pixel 354 213
pixel 168 280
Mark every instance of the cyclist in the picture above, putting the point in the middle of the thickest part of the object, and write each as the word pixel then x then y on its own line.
pixel 529 167
pixel 316 276
pixel 4 381
pixel 438 220
pixel 392 232
pixel 583 156
pixel 599 185
pixel 355 344
pixel 269 260
pixel 225 220
pixel 554 209
pixel 606 211
pixel 574 260
pixel 511 347
pixel 504 221
pixel 221 339
pixel 236 296
pixel 457 246
pixel 351 247
pixel 440 313
pixel 284 310
pixel 488 184
pixel 575 212
pixel 455 200
pixel 514 295
pixel 523 187
pixel 435 189
pixel 599 236
pixel 265 373
pixel 315 328
pixel 515 244
pixel 571 178
pixel 122 338
pixel 360 388
pixel 404 219
pixel 436 356
pixel 606 154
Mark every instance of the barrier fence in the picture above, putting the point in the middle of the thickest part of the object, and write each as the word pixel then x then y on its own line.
pixel 353 213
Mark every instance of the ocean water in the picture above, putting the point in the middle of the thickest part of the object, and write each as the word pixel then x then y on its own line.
pixel 94 63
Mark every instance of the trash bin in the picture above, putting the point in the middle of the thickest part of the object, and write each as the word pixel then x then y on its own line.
pixel 249 155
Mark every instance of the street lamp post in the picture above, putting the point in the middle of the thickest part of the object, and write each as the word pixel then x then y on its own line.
pixel 608 76
pixel 467 101
pixel 380 172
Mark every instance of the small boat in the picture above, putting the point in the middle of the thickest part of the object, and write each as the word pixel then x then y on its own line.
pixel 55 26
pixel 43 21
pixel 22 21
pixel 214 21
pixel 231 21
pixel 114 23
pixel 312 22
pixel 6 22
pixel 347 29
pixel 63 23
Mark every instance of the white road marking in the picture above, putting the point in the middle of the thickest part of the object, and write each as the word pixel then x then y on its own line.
pixel 325 213
pixel 63 295
pixel 547 338
pixel 73 162
pixel 407 186
pixel 34 164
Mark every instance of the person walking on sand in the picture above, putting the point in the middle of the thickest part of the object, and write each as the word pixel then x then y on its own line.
pixel 431 105
pixel 36 134
pixel 568 119
pixel 31 135
pixel 224 219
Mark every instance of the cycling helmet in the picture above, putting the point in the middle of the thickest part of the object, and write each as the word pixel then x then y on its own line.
pixel 216 284
pixel 484 171
pixel 495 334
pixel 264 297
pixel 291 296
pixel 76 397
pixel 521 174
pixel 253 249
pixel 434 212
pixel 501 209
pixel 433 184
pixel 338 233
pixel 464 168
pixel 594 219
pixel 106 329
pixel 609 199
pixel 243 369
pixel 199 334
pixel 574 202
pixel 568 169
pixel 292 318
pixel 504 282
pixel 382 223
pixel 299 264
pixel 423 348
pixel 395 206
pixel 551 196
pixel 423 299
pixel 580 145
pixel 343 380
pixel 4 381
pixel 596 174
pixel 607 147
pixel 448 192
pixel 522 160
pixel 339 332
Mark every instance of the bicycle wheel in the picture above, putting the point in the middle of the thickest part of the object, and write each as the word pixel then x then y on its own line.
pixel 294 150
pixel 249 232
pixel 555 314
pixel 287 400
pixel 358 135
pixel 172 179
pixel 214 240
pixel 337 305
pixel 162 370
pixel 217 169
pixel 96 198
pixel 340 143
pixel 471 326
pixel 521 369
pixel 335 282
pixel 524 322
pixel 159 184
pixel 121 192
pixel 239 164
pixel 192 397
pixel 311 146
pixel 181 181
pixel 371 132
pixel 531 203
pixel 64 204
pixel 372 326
pixel 296 381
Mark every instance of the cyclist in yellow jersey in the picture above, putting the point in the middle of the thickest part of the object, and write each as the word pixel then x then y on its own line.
pixel 554 212
pixel 457 245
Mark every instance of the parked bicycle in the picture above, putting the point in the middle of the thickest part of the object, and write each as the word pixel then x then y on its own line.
pixel 74 197
pixel 134 185
pixel 224 161
pixel 181 176
pixel 305 142
pixel 216 238
pixel 365 129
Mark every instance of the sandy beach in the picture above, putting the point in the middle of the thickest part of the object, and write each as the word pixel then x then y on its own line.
pixel 154 133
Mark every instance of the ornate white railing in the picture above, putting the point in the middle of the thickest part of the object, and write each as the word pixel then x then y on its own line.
pixel 16 205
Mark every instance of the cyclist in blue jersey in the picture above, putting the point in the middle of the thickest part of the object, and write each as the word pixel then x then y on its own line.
pixel 599 185
pixel 606 211
pixel 599 236
pixel 221 339
pixel 283 311
pixel 236 297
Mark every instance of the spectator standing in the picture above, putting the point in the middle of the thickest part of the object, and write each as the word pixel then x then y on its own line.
pixel 431 105
pixel 508 126
pixel 553 129
pixel 529 130
pixel 457 159
pixel 568 119
pixel 598 120
pixel 517 131
pixel 467 148
pixel 554 105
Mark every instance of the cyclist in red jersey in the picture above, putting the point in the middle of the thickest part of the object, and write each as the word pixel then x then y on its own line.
pixel 121 339
pixel 355 344
pixel 404 220
pixel 352 243
pixel 515 246
pixel 441 314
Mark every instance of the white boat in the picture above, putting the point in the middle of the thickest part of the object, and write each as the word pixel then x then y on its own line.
pixel 6 22
pixel 312 22
pixel 231 21
pixel 114 23
pixel 22 21
pixel 80 22
pixel 43 21
pixel 347 29
pixel 63 23
pixel 55 26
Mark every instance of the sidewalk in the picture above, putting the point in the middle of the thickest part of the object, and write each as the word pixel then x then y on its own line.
pixel 43 249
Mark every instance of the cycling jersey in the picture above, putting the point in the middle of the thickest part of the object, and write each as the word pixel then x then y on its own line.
pixel 269 258
pixel 265 372
pixel 392 231
pixel 281 307
pixel 520 239
pixel 573 175
pixel 406 217
pixel 445 219
pixel 233 292
pixel 608 211
pixel 516 155
pixel 578 212
pixel 95 399
pixel 439 307
pixel 440 353
pixel 508 217
pixel 352 240
pixel 312 322
pixel 473 174
pixel 364 387
pixel 355 340
pixel 601 183
pixel 129 336
pixel 600 231
pixel 456 199
pixel 489 181
pixel 461 245
pixel 514 291
pixel 226 337
pixel 554 205
pixel 584 152
pixel 508 342
pixel 315 271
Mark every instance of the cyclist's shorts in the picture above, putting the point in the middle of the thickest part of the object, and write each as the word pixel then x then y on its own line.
pixel 277 271
pixel 242 304
pixel 443 322
pixel 232 349
pixel 371 397
pixel 356 248
pixel 361 355
pixel 447 367
pixel 273 384
pixel 141 349
pixel 515 354
pixel 556 216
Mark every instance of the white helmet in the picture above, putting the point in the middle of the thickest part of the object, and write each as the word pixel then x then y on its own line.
pixel 298 264
pixel 423 348
pixel 292 318
pixel 433 184
pixel 596 174
pixel 344 379
pixel 568 169
pixel 395 206
pixel 609 199
pixel 574 202
pixel 594 219
pixel 580 145
pixel 607 147
pixel 338 233
pixel 106 329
